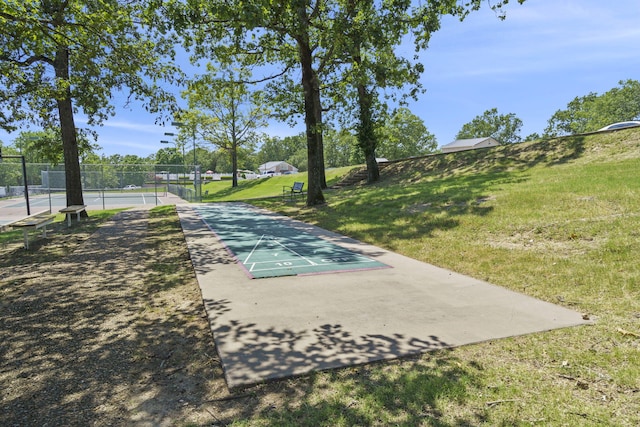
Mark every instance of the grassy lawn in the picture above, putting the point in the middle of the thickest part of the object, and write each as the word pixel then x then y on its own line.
pixel 558 220
pixel 222 191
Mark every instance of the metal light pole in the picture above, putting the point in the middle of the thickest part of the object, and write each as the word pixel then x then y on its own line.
pixel 170 142
pixel 195 166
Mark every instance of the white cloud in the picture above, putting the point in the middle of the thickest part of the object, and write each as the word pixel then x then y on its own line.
pixel 131 126
pixel 536 37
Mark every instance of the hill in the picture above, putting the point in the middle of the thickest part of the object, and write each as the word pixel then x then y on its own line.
pixel 556 219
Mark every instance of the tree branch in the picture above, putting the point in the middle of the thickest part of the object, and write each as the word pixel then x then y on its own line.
pixel 266 79
pixel 27 62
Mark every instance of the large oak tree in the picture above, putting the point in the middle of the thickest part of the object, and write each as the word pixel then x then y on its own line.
pixel 318 43
pixel 64 57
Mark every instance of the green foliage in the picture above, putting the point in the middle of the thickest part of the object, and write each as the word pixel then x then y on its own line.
pixel 291 149
pixel 46 146
pixel 61 57
pixel 169 156
pixel 340 149
pixel 405 135
pixel 335 45
pixel 223 111
pixel 592 111
pixel 10 175
pixel 106 49
pixel 504 128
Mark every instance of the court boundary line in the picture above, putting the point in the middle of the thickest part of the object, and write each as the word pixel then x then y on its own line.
pixel 249 271
pixel 225 246
pixel 274 239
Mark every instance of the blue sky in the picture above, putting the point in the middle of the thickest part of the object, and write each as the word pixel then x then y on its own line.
pixel 532 64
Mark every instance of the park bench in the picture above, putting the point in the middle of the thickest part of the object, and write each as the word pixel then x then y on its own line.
pixel 33 222
pixel 73 209
pixel 293 191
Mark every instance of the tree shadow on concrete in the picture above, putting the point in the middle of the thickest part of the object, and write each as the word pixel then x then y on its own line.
pixel 329 353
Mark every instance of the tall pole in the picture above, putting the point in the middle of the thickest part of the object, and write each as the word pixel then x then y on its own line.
pixel 195 169
pixel 196 177
pixel 24 178
pixel 26 185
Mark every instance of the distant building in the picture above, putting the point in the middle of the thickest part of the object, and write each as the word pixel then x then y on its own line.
pixel 277 168
pixel 469 144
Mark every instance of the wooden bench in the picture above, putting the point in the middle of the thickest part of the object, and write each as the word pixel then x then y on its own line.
pixel 73 209
pixel 293 191
pixel 33 222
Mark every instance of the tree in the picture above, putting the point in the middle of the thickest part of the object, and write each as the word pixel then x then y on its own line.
pixel 64 56
pixel 291 149
pixel 168 156
pixel 504 128
pixel 10 175
pixel 316 39
pixel 575 119
pixel 341 149
pixel 405 135
pixel 592 111
pixel 46 146
pixel 372 31
pixel 267 32
pixel 224 112
pixel 273 148
pixel 532 137
pixel 618 104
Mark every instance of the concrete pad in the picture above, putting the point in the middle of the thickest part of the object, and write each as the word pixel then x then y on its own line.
pixel 278 327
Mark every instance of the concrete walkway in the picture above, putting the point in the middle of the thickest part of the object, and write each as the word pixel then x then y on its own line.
pixel 278 327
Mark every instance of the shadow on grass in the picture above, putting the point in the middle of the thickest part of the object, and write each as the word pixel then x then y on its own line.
pixel 502 158
pixel 82 340
pixel 406 212
pixel 418 196
pixel 406 392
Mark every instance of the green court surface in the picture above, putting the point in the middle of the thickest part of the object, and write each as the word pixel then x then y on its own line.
pixel 267 247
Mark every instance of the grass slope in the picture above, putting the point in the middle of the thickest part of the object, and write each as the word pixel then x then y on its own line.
pixel 222 191
pixel 558 220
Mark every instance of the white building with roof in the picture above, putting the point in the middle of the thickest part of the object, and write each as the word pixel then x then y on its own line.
pixel 469 144
pixel 277 168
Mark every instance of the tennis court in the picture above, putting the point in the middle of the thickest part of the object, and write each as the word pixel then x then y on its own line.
pixel 14 208
pixel 267 247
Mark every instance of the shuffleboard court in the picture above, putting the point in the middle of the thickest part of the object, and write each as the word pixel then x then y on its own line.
pixel 267 247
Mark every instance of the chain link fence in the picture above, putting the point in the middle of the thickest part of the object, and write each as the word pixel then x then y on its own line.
pixel 103 179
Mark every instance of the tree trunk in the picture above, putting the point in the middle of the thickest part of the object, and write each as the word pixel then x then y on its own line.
pixel 312 119
pixel 73 179
pixel 366 134
pixel 234 162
